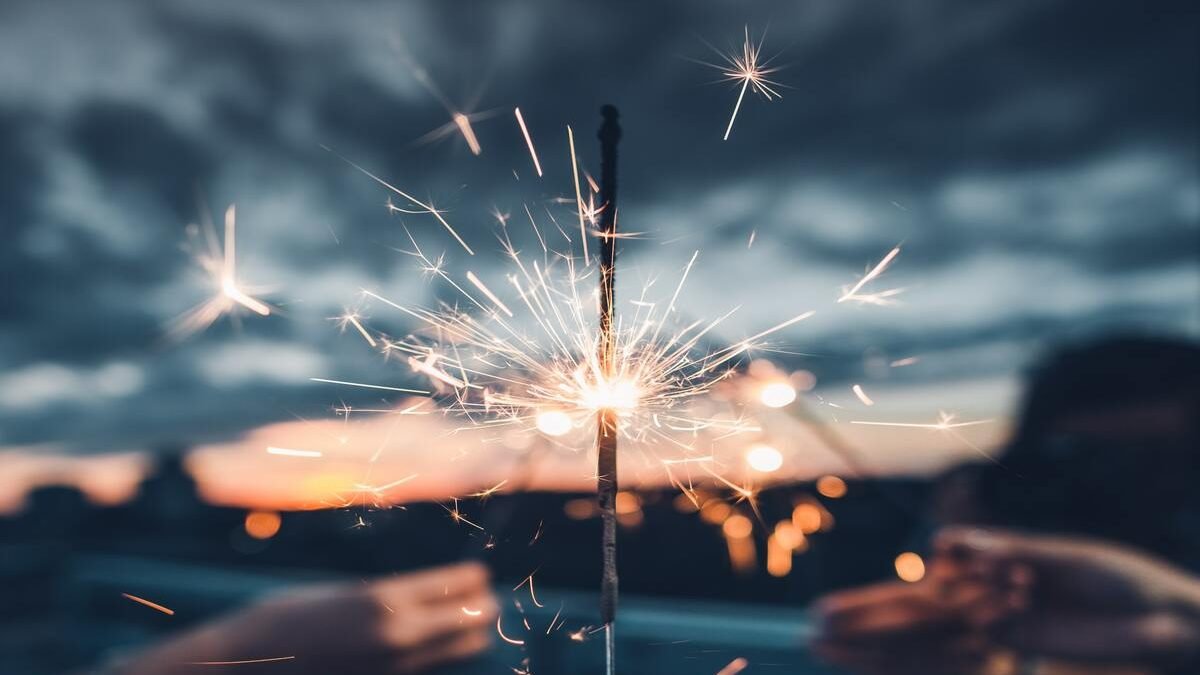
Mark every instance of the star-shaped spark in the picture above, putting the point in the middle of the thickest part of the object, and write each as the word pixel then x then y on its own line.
pixel 748 69
pixel 220 264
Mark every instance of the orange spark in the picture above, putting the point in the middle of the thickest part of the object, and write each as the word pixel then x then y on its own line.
pixel 151 605
pixel 504 637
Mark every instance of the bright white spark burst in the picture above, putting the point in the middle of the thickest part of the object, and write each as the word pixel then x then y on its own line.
pixel 219 262
pixel 747 69
pixel 531 361
pixel 521 350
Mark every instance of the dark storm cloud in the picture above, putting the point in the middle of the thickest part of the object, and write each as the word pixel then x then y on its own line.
pixel 1037 159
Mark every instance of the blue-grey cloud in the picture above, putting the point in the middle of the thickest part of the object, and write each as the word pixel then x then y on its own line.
pixel 1037 160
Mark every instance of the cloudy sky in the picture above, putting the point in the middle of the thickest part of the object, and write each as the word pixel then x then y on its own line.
pixel 1036 159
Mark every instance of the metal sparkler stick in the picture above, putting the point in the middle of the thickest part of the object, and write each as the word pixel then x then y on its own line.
pixel 606 434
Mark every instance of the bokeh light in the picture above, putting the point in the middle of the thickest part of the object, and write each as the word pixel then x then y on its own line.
pixel 554 422
pixel 910 567
pixel 764 458
pixel 777 394
pixel 831 487
pixel 263 524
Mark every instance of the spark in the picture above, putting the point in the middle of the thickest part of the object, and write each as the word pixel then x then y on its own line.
pixel 745 68
pixel 151 605
pixel 220 264
pixel 458 517
pixel 484 494
pixel 379 489
pixel 352 319
pixel 290 452
pixel 532 596
pixel 528 141
pixel 900 363
pixel 882 298
pixel 578 195
pixel 229 274
pixel 504 637
pixel 464 125
pixel 368 386
pixel 750 243
pixel 862 395
pixel 471 612
pixel 490 295
pixel 425 208
pixel 688 460
pixel 551 380
pixel 459 120
pixel 945 422
pixel 239 663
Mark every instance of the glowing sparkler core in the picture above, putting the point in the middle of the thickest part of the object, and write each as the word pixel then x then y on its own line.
pixel 620 396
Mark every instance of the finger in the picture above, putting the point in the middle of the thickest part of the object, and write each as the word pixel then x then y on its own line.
pixel 459 580
pixel 1099 638
pixel 916 612
pixel 453 648
pixel 849 600
pixel 992 546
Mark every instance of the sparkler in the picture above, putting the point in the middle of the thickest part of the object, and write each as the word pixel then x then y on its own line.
pixel 530 354
pixel 606 421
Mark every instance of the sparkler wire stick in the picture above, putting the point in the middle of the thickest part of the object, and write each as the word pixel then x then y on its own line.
pixel 606 432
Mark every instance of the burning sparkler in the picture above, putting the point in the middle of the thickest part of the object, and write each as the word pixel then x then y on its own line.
pixel 606 420
pixel 532 354
pixel 745 68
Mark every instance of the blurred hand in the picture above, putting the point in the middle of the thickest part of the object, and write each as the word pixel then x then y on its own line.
pixel 404 624
pixel 901 628
pixel 1087 600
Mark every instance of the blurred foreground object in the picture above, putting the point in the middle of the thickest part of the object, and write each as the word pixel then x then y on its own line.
pixel 406 624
